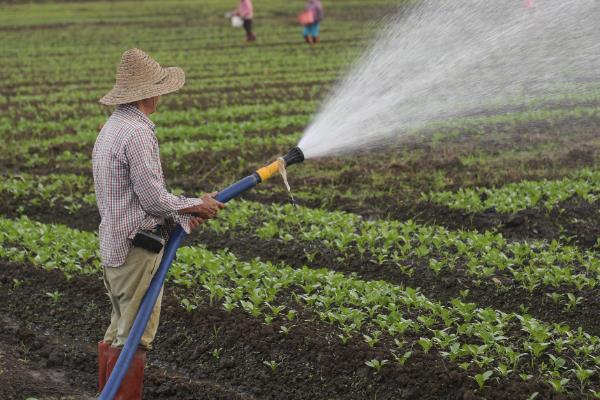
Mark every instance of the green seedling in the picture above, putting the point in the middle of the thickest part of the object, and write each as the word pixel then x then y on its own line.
pixel 55 296
pixel 376 364
pixel 401 359
pixel 273 365
pixel 188 306
pixel 216 353
pixel 482 378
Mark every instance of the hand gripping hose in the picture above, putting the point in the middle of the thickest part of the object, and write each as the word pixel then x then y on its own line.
pixel 294 156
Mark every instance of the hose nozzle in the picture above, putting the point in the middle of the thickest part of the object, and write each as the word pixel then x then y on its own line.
pixel 294 156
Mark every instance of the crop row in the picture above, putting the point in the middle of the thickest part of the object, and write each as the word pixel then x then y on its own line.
pixel 513 197
pixel 30 88
pixel 485 342
pixel 207 69
pixel 70 191
pixel 185 131
pixel 199 99
pixel 387 243
pixel 43 112
pixel 214 136
pixel 39 125
pixel 34 152
pixel 226 91
pixel 515 118
pixel 395 244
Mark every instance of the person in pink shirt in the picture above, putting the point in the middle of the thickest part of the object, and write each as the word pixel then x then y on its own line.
pixel 246 12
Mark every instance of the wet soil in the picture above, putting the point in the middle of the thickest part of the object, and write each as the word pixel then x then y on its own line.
pixel 23 374
pixel 313 364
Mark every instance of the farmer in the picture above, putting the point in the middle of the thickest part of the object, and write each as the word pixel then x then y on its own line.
pixel 137 212
pixel 246 12
pixel 312 29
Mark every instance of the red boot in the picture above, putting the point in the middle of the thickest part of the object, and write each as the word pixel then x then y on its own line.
pixel 102 356
pixel 133 382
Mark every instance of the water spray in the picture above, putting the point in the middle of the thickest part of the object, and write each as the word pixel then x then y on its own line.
pixel 443 59
pixel 294 156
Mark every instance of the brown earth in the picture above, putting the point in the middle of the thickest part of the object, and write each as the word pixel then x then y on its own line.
pixel 313 363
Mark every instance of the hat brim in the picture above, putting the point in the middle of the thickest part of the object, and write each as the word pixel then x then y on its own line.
pixel 174 79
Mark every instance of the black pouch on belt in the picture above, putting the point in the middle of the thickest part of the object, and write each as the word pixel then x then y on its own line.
pixel 149 240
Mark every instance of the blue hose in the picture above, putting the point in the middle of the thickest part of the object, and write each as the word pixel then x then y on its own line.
pixel 149 300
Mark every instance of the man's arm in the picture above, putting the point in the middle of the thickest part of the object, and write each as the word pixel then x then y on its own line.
pixel 207 209
pixel 148 184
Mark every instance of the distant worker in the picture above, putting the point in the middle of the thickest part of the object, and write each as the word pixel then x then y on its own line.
pixel 137 212
pixel 246 12
pixel 311 19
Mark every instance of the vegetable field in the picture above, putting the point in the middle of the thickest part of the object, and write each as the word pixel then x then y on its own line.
pixel 464 263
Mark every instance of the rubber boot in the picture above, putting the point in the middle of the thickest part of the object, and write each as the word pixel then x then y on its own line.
pixel 102 358
pixel 132 386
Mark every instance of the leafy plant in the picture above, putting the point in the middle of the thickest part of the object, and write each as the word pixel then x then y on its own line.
pixel 273 365
pixel 55 296
pixel 216 353
pixel 482 378
pixel 187 305
pixel 376 364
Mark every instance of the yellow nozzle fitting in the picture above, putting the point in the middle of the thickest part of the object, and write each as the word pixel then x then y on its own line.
pixel 271 169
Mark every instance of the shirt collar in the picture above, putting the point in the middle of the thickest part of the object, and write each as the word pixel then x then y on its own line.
pixel 132 110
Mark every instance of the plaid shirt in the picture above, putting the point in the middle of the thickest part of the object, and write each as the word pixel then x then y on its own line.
pixel 129 184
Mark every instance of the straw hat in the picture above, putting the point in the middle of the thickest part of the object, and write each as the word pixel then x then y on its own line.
pixel 140 77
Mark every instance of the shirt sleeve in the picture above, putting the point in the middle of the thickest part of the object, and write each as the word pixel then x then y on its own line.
pixel 141 151
pixel 170 224
pixel 184 220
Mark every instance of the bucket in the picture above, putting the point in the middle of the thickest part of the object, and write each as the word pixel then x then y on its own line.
pixel 306 17
pixel 237 22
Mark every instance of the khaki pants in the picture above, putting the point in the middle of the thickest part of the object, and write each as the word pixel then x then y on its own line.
pixel 126 287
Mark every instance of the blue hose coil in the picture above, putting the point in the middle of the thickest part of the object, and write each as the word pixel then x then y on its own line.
pixel 149 300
